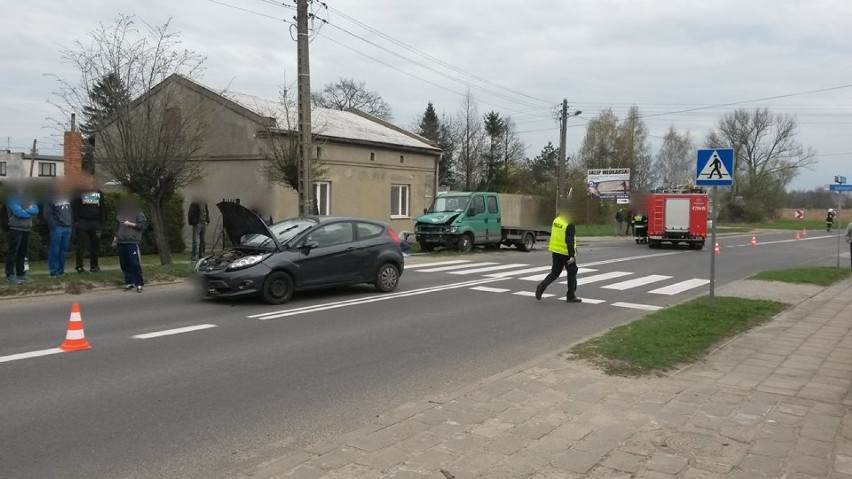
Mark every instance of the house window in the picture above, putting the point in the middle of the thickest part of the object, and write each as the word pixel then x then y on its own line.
pixel 319 152
pixel 2 168
pixel 322 195
pixel 399 201
pixel 402 158
pixel 372 156
pixel 46 169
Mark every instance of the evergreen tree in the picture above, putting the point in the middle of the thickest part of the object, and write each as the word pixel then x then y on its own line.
pixel 430 126
pixel 494 130
pixel 105 98
pixel 441 134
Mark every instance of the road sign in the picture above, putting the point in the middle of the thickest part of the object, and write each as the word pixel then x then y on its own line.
pixel 840 187
pixel 840 180
pixel 715 167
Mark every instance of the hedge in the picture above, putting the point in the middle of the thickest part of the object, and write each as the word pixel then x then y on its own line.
pixel 175 219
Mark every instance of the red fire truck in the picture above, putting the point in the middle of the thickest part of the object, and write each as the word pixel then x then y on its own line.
pixel 676 218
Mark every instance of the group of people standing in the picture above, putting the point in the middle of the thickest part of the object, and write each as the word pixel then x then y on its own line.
pixel 77 211
pixel 629 221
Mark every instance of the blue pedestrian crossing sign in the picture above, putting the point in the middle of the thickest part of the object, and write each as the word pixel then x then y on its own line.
pixel 715 167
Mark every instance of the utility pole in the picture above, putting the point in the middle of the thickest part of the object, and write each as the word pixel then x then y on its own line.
pixel 560 169
pixel 32 158
pixel 306 185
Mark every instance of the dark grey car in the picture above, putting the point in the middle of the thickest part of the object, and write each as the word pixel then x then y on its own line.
pixel 299 254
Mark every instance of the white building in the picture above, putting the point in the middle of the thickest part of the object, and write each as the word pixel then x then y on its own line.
pixel 20 165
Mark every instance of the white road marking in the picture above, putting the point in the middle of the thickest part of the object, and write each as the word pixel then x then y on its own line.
pixel 169 332
pixel 795 240
pixel 681 287
pixel 489 268
pixel 540 277
pixel 601 277
pixel 531 294
pixel 592 301
pixel 436 264
pixel 454 267
pixel 508 274
pixel 635 283
pixel 369 299
pixel 631 258
pixel 490 290
pixel 643 307
pixel 31 354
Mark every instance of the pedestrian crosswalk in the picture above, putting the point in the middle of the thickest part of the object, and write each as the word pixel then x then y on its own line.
pixel 620 280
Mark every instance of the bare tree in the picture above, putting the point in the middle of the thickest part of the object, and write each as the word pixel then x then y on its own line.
pixel 634 151
pixel 768 156
pixel 280 144
pixel 675 160
pixel 347 93
pixel 599 144
pixel 149 145
pixel 471 142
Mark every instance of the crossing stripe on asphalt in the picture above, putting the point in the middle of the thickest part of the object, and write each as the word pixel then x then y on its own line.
pixel 635 283
pixel 488 268
pixel 643 307
pixel 453 267
pixel 488 289
pixel 600 277
pixel 676 288
pixel 592 301
pixel 539 277
pixel 31 354
pixel 509 274
pixel 531 294
pixel 169 332
pixel 436 264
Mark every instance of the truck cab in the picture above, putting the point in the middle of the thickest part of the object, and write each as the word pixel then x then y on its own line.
pixel 460 220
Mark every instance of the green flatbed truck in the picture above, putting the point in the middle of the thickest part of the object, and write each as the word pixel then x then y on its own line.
pixel 463 220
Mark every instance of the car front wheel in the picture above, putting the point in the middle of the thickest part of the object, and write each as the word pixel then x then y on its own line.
pixel 278 288
pixel 387 279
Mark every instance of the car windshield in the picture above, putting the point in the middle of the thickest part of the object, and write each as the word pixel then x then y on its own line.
pixel 283 231
pixel 450 203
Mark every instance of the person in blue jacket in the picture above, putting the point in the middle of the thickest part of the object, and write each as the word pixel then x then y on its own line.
pixel 60 219
pixel 21 210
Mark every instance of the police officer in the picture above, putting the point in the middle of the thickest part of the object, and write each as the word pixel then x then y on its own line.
pixel 563 249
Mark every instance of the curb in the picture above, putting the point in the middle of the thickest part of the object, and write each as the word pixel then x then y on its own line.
pixel 47 294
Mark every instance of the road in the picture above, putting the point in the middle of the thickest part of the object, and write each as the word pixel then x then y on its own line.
pixel 260 380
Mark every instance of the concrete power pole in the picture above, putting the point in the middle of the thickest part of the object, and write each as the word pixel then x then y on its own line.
pixel 32 158
pixel 560 168
pixel 306 186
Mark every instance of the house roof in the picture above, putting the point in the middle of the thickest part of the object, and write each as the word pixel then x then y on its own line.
pixel 351 125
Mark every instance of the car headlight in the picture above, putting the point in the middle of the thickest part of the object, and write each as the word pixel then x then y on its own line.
pixel 198 264
pixel 454 229
pixel 247 261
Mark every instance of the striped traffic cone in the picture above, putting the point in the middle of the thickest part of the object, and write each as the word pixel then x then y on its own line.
pixel 716 249
pixel 798 236
pixel 75 338
pixel 753 241
pixel 804 232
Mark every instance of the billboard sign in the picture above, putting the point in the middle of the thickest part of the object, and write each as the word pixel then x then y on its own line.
pixel 608 183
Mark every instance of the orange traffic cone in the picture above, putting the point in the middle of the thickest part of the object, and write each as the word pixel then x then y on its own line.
pixel 798 236
pixel 804 232
pixel 75 338
pixel 716 249
pixel 753 241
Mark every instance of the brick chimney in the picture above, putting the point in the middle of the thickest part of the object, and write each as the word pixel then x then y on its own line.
pixel 72 153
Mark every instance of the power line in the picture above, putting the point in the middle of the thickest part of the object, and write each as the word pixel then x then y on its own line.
pixel 431 57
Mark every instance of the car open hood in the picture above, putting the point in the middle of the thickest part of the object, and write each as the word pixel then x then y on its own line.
pixel 239 221
pixel 437 218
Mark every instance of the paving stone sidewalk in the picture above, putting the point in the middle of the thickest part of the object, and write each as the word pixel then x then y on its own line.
pixel 774 402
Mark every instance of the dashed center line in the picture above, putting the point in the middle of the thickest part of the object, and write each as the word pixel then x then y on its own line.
pixel 169 332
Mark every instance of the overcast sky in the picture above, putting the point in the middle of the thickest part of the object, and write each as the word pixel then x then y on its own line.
pixel 661 55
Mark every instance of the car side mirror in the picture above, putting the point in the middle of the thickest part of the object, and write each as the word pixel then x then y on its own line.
pixel 309 245
pixel 425 210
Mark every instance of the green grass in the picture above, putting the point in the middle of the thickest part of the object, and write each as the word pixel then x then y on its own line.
pixel 820 276
pixel 587 230
pixel 672 336
pixel 110 276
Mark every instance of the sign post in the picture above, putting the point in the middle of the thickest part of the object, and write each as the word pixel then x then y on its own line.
pixel 840 187
pixel 715 167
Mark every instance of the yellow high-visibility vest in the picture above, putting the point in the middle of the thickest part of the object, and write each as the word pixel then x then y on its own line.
pixel 557 236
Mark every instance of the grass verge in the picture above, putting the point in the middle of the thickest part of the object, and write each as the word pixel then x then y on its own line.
pixel 820 276
pixel 675 335
pixel 110 276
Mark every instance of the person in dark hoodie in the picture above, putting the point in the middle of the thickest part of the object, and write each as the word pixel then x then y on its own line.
pixel 21 210
pixel 131 223
pixel 198 216
pixel 89 213
pixel 60 218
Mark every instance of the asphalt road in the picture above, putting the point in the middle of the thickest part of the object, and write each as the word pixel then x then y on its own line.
pixel 260 380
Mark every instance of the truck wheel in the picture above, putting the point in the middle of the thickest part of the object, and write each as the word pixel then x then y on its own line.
pixel 465 243
pixel 653 244
pixel 528 243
